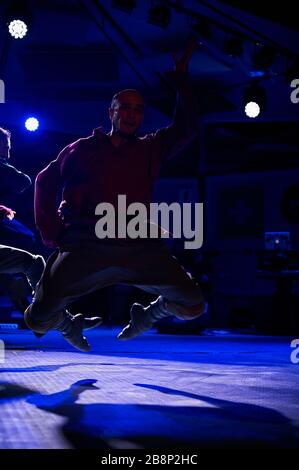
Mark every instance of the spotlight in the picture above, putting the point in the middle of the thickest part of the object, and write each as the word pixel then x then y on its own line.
pixel 31 124
pixel 159 14
pixel 124 5
pixel 254 100
pixel 18 17
pixel 17 28
pixel 252 109
pixel 256 73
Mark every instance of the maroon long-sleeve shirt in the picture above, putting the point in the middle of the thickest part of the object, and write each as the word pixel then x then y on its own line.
pixel 92 170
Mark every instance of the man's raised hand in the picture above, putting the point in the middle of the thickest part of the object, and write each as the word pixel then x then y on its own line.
pixel 181 65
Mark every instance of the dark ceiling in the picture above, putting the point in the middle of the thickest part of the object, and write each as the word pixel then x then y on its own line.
pixel 77 54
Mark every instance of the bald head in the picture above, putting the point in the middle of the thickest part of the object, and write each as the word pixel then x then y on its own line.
pixel 129 93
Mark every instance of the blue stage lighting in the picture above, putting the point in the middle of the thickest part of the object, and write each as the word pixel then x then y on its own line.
pixel 18 29
pixel 31 124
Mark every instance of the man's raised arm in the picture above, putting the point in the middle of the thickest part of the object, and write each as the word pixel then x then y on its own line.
pixel 185 125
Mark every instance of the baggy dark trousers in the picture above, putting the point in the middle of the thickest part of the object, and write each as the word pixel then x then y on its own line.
pixel 15 261
pixel 78 269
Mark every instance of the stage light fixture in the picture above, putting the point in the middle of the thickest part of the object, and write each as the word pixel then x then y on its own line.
pixel 159 14
pixel 32 124
pixel 252 109
pixel 17 28
pixel 254 100
pixel 18 18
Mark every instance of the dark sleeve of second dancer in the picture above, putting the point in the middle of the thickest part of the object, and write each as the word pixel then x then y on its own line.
pixel 12 181
pixel 48 187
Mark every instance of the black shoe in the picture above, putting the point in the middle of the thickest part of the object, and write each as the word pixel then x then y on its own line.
pixel 72 331
pixel 91 322
pixel 88 324
pixel 138 324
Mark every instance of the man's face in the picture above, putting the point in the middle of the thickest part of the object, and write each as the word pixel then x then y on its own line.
pixel 127 113
pixel 5 148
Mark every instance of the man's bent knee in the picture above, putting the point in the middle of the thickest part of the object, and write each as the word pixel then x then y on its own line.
pixel 41 319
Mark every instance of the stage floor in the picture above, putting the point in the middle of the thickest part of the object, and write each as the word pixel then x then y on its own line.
pixel 155 391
